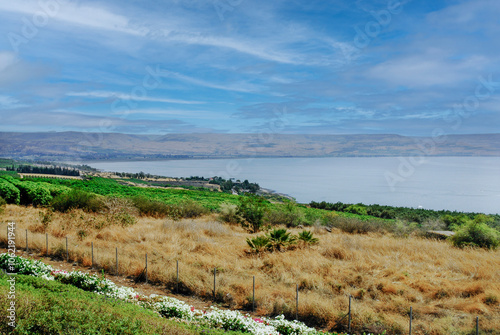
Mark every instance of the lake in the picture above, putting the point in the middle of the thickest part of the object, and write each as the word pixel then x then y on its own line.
pixel 470 184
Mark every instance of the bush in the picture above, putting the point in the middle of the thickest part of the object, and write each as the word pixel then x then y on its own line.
pixel 258 244
pixel 77 199
pixel 252 209
pixel 9 192
pixel 306 238
pixel 191 209
pixel 358 209
pixel 290 216
pixel 120 211
pixel 354 226
pixel 476 234
pixel 229 213
pixel 280 239
pixel 152 208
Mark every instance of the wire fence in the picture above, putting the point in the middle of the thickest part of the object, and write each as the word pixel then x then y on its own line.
pixel 144 276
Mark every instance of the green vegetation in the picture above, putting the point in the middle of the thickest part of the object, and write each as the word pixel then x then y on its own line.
pixel 476 233
pixel 452 219
pixel 77 198
pixel 51 169
pixel 252 210
pixel 280 240
pixel 94 194
pixel 9 192
pixel 49 307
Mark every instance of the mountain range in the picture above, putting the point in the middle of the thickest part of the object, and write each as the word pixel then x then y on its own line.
pixel 118 146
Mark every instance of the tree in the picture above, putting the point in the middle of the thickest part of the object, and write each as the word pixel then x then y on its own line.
pixel 252 210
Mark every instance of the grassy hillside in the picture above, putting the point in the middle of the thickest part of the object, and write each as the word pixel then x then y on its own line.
pixel 48 307
pixel 447 287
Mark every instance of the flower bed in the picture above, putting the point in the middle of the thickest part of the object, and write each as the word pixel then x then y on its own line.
pixel 165 306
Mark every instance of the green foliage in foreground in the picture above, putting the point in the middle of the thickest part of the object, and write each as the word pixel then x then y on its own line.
pixel 49 307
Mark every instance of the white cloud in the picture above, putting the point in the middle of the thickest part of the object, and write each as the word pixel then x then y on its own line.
pixel 6 60
pixel 123 96
pixel 7 102
pixel 75 14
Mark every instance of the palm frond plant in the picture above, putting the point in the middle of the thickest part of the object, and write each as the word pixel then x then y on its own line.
pixel 280 239
pixel 258 244
pixel 306 238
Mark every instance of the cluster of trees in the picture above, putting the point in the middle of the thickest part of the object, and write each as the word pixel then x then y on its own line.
pixel 230 184
pixel 53 169
pixel 140 175
pixel 418 215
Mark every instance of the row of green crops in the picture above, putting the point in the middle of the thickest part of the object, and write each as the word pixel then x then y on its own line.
pixel 15 191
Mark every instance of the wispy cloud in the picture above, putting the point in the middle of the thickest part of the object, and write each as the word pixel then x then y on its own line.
pixel 130 97
pixel 234 74
pixel 7 102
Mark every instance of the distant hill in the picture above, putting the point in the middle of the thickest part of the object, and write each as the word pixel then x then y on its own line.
pixel 116 146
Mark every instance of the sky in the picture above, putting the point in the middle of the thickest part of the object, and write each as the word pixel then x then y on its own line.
pixel 415 68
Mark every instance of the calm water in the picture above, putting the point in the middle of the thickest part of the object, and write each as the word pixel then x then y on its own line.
pixel 455 183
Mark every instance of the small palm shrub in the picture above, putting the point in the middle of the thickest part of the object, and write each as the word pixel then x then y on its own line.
pixel 258 244
pixel 306 238
pixel 280 239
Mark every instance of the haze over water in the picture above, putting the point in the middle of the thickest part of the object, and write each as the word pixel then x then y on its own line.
pixel 469 184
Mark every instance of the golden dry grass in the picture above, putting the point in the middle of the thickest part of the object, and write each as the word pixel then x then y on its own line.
pixel 447 287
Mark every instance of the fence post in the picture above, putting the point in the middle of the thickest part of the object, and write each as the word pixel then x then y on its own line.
pixel 349 324
pixel 215 271
pixel 253 295
pixel 146 267
pixel 26 240
pixel 296 301
pixel 411 317
pixel 67 252
pixel 116 272
pixel 177 282
pixel 92 246
pixel 477 325
pixel 47 243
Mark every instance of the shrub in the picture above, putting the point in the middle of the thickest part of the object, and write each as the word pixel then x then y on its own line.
pixel 120 211
pixel 280 239
pixel 290 216
pixel 191 209
pixel 353 225
pixel 152 208
pixel 229 213
pixel 306 238
pixel 258 244
pixel 358 209
pixel 76 198
pixel 476 234
pixel 9 192
pixel 252 209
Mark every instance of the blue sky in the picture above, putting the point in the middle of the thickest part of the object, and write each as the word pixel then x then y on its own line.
pixel 239 66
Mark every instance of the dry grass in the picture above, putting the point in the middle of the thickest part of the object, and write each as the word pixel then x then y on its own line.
pixel 447 287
